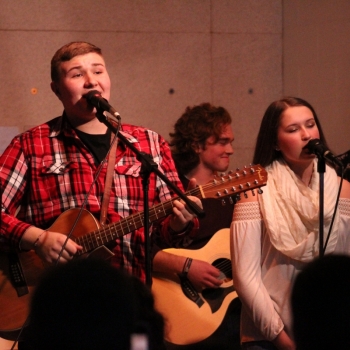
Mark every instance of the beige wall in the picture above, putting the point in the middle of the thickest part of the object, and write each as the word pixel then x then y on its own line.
pixel 316 62
pixel 240 54
pixel 225 52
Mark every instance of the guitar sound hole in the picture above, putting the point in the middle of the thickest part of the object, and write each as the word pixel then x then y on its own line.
pixel 215 296
pixel 225 267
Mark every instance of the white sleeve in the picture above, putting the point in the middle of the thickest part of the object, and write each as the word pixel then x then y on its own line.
pixel 246 247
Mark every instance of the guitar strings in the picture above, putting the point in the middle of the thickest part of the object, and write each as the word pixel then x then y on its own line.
pixel 107 233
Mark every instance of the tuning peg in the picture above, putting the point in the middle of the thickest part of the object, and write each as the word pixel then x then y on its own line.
pixel 260 191
pixel 253 192
pixel 245 194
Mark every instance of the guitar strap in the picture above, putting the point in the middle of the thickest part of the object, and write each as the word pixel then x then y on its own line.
pixel 109 177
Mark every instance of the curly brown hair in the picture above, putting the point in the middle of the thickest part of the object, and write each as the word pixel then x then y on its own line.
pixel 191 131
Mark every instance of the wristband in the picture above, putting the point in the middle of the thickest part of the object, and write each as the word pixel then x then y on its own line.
pixel 35 244
pixel 186 267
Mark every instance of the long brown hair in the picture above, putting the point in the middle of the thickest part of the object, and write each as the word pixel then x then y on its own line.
pixel 265 150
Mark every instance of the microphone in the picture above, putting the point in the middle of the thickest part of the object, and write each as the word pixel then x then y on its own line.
pixel 315 146
pixel 95 99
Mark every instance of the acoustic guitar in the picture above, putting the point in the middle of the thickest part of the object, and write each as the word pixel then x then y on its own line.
pixel 190 316
pixel 20 271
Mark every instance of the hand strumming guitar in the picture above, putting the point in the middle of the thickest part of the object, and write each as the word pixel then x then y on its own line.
pixel 203 275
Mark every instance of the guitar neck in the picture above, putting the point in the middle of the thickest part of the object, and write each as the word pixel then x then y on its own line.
pixel 111 232
pixel 223 186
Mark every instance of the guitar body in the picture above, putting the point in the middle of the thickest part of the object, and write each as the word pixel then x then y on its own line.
pixel 188 321
pixel 14 309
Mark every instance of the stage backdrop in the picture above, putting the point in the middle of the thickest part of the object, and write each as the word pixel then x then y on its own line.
pixel 166 55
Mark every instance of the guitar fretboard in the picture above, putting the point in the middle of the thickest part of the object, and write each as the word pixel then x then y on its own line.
pixel 234 183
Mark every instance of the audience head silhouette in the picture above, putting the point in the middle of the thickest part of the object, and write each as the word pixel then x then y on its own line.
pixel 321 304
pixel 88 304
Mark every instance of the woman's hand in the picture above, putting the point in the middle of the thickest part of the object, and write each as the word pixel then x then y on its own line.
pixel 284 342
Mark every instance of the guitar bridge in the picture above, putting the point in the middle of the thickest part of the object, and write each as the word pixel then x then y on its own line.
pixel 190 291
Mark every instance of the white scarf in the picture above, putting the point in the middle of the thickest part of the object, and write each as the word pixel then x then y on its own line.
pixel 291 211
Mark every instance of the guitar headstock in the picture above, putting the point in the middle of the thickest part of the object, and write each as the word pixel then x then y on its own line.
pixel 236 182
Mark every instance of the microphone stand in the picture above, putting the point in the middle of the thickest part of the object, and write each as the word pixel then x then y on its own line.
pixel 147 167
pixel 321 169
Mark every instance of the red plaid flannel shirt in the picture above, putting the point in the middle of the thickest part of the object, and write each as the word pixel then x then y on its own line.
pixel 47 170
